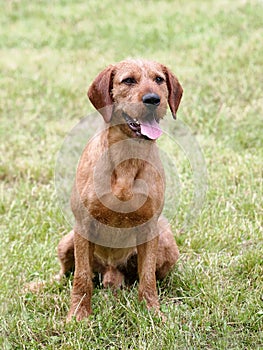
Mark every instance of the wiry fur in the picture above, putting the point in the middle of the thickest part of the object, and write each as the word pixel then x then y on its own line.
pixel 156 256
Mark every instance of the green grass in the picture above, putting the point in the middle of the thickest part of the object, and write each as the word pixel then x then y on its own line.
pixel 49 54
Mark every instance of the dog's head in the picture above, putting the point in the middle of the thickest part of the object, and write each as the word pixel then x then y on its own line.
pixel 136 93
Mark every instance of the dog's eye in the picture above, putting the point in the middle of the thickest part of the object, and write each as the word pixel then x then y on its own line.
pixel 159 80
pixel 129 81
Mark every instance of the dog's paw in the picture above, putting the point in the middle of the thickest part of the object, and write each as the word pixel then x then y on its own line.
pixel 78 312
pixel 160 315
pixel 113 279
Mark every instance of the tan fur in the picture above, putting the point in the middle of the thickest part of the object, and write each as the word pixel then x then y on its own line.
pixel 126 204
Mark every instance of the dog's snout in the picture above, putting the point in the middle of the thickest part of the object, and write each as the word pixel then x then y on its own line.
pixel 151 100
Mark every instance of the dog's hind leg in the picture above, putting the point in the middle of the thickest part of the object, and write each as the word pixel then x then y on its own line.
pixel 66 254
pixel 168 252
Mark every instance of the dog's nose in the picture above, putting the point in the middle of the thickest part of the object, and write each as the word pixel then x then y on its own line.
pixel 151 100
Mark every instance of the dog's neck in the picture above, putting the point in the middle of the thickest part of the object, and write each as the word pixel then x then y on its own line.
pixel 124 147
pixel 128 157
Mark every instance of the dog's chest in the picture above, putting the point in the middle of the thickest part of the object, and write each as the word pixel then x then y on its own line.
pixel 130 201
pixel 123 187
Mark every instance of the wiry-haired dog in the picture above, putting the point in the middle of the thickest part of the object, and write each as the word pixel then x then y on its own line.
pixel 118 194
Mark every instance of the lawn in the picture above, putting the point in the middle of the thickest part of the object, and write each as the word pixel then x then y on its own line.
pixel 50 51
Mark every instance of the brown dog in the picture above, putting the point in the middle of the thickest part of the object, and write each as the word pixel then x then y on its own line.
pixel 118 194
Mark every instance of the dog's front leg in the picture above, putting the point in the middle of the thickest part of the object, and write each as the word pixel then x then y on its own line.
pixel 82 287
pixel 147 253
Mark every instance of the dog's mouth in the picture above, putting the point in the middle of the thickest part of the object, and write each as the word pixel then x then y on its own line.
pixel 148 129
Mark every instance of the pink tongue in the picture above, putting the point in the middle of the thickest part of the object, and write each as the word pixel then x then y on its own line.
pixel 151 129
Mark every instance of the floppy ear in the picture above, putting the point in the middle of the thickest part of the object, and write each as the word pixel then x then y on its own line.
pixel 175 91
pixel 99 93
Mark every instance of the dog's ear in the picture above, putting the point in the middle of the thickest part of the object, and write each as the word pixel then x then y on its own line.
pixel 99 93
pixel 175 91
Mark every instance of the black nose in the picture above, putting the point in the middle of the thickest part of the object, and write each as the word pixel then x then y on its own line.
pixel 151 100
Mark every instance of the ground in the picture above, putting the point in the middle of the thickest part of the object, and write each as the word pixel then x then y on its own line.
pixel 49 54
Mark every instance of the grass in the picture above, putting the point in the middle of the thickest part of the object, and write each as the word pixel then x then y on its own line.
pixel 49 54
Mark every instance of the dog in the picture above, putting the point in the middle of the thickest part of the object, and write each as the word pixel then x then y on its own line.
pixel 118 194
